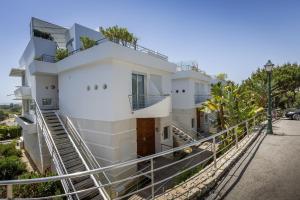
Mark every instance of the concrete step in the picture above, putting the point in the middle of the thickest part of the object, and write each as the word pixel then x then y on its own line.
pixel 72 163
pixel 65 152
pixel 87 183
pixel 68 157
pixel 79 179
pixel 78 168
pixel 88 195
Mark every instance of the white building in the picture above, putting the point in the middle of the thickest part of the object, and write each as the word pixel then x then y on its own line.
pixel 190 88
pixel 118 97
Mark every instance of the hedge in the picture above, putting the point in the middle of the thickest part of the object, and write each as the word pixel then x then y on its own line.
pixel 11 167
pixel 10 132
pixel 37 189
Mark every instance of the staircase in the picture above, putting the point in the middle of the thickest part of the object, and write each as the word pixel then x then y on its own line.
pixel 71 158
pixel 181 136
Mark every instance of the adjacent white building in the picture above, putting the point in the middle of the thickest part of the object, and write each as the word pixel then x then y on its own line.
pixel 190 88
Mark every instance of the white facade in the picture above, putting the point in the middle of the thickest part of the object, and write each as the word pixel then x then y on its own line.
pixel 94 87
pixel 190 88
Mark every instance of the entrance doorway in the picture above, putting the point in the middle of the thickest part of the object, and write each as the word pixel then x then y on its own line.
pixel 145 136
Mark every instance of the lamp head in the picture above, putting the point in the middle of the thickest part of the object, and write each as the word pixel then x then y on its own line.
pixel 268 66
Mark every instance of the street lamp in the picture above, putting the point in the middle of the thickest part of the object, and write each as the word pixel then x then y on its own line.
pixel 268 68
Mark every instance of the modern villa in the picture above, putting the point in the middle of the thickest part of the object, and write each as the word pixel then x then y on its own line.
pixel 100 106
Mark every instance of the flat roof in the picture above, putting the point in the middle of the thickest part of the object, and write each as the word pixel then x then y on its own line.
pixel 17 72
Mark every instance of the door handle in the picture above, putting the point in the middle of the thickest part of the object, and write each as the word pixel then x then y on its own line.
pixel 144 139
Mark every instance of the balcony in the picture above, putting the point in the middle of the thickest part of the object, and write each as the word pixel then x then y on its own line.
pixel 23 92
pixel 150 105
pixel 27 125
pixel 201 98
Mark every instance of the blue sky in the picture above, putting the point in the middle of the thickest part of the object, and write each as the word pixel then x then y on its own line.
pixel 231 36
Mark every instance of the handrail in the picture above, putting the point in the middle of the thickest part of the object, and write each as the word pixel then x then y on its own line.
pixel 190 132
pixel 91 160
pixel 49 141
pixel 123 164
pixel 247 124
pixel 51 58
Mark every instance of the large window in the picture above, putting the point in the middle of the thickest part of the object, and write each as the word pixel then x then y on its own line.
pixel 166 132
pixel 138 91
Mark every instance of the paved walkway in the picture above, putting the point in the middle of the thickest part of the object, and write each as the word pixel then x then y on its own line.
pixel 269 170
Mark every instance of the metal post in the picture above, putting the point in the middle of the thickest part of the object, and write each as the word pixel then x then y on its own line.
pixel 236 138
pixel 152 179
pixel 9 192
pixel 269 129
pixel 214 152
pixel 254 122
pixel 247 128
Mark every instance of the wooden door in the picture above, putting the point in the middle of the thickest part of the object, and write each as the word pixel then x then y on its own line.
pixel 199 117
pixel 145 136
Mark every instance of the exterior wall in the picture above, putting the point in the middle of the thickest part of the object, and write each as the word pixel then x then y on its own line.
pixel 44 90
pixel 160 123
pixel 76 31
pixel 185 116
pixel 183 94
pixel 34 146
pixel 110 104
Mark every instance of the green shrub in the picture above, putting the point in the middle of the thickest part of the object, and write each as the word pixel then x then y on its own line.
pixel 2 191
pixel 7 150
pixel 87 42
pixel 10 132
pixel 37 189
pixel 61 54
pixel 42 34
pixel 11 167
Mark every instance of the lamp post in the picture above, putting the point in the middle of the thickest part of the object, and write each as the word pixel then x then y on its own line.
pixel 268 68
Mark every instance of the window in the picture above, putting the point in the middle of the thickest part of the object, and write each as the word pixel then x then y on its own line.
pixel 46 102
pixel 183 91
pixel 166 132
pixel 193 122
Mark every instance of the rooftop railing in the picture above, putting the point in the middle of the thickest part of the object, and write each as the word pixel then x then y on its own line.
pixel 51 59
pixel 165 175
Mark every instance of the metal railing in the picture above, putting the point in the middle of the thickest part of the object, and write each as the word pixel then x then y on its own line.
pixel 190 132
pixel 85 153
pixel 143 101
pixel 201 98
pixel 57 160
pixel 51 58
pixel 219 144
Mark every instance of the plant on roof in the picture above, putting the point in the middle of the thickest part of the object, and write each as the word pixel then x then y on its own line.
pixel 61 54
pixel 119 35
pixel 42 34
pixel 87 42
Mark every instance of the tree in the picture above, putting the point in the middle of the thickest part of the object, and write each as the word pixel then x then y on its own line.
pixel 119 35
pixel 87 42
pixel 222 76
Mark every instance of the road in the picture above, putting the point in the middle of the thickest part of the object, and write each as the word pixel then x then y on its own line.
pixel 269 170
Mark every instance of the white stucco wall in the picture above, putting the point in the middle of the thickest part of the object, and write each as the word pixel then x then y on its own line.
pixel 76 31
pixel 110 104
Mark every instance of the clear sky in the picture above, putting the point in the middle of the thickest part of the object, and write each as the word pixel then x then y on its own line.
pixel 231 36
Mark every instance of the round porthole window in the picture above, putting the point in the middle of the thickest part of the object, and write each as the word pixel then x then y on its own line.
pixel 183 91
pixel 104 86
pixel 88 88
pixel 52 87
pixel 96 87
pixel 46 87
pixel 177 91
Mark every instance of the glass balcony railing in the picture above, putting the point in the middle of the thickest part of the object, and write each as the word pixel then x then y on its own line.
pixel 201 98
pixel 143 101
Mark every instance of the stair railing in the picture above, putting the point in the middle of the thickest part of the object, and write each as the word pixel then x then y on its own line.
pixel 84 152
pixel 60 168
pixel 190 132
